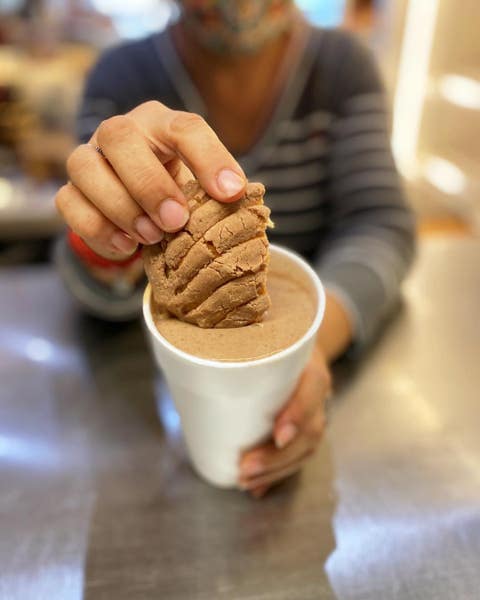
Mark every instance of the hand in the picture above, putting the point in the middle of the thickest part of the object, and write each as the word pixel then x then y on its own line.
pixel 297 432
pixel 129 192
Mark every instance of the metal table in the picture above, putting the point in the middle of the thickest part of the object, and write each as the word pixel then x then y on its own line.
pixel 97 500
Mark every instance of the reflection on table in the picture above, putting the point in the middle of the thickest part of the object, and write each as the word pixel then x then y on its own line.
pixel 97 499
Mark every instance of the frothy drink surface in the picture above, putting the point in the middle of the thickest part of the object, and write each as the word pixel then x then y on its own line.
pixel 291 314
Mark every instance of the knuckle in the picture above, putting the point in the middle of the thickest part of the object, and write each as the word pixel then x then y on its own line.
pixel 61 199
pixel 184 123
pixel 147 185
pixel 93 227
pixel 316 429
pixel 152 105
pixel 327 379
pixel 323 376
pixel 79 159
pixel 114 129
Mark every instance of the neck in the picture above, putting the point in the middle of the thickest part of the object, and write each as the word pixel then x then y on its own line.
pixel 248 84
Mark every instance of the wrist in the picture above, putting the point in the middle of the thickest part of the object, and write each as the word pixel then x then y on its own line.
pixel 320 352
pixel 92 259
pixel 336 331
pixel 120 274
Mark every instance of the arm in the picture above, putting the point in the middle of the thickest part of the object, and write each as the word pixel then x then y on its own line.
pixel 130 192
pixel 362 260
pixel 336 331
pixel 369 244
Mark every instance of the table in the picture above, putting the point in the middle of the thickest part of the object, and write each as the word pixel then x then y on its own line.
pixel 27 208
pixel 97 500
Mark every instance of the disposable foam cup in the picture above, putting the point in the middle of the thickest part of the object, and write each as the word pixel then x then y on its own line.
pixel 225 407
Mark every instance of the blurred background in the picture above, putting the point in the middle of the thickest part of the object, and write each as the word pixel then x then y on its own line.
pixel 428 50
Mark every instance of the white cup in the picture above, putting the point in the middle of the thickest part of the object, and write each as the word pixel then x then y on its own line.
pixel 228 407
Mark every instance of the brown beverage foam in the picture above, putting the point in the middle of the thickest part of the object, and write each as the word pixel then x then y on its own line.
pixel 293 309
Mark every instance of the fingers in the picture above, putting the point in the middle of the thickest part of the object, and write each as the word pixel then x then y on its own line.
pixel 94 178
pixel 144 177
pixel 259 491
pixel 132 193
pixel 88 222
pixel 260 485
pixel 312 390
pixel 267 464
pixel 269 457
pixel 297 433
pixel 262 464
pixel 179 171
pixel 189 137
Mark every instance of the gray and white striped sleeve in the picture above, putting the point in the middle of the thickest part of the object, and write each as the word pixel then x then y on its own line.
pixel 119 302
pixel 370 239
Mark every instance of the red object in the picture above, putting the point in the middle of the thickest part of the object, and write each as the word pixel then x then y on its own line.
pixel 92 259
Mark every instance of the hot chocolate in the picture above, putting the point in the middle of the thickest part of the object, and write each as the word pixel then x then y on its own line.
pixel 293 307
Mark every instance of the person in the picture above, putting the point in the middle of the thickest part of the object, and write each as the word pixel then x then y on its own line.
pixel 360 16
pixel 237 89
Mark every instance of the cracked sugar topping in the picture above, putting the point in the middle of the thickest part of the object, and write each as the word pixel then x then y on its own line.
pixel 213 272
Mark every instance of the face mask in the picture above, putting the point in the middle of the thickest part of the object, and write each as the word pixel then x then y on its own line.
pixel 236 26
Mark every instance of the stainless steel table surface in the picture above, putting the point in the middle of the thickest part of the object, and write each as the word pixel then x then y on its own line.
pixel 97 500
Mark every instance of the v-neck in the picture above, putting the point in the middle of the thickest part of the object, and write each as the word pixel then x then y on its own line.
pixel 283 107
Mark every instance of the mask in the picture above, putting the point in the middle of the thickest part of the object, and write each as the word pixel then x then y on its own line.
pixel 237 26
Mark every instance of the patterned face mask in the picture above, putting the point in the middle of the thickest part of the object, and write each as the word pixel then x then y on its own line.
pixel 237 26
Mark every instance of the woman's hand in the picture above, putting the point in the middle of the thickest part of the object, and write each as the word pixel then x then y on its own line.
pixel 125 184
pixel 297 432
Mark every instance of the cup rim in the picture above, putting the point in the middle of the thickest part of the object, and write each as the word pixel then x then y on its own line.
pixel 225 364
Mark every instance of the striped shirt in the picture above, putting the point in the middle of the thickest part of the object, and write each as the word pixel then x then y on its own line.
pixel 324 157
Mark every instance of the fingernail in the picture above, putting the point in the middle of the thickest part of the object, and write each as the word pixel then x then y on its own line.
pixel 230 182
pixel 251 468
pixel 148 230
pixel 173 215
pixel 285 435
pixel 259 493
pixel 123 242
